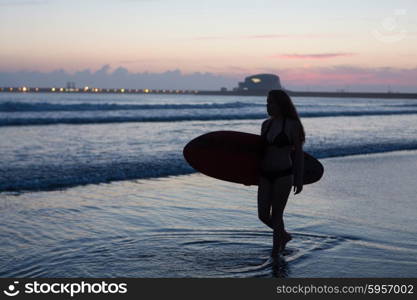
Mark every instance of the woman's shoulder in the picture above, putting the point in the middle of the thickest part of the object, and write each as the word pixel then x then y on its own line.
pixel 266 121
pixel 265 125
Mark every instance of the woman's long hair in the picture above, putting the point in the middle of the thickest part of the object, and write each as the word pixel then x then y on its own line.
pixel 287 108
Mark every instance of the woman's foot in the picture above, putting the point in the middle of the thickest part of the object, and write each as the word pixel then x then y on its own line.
pixel 275 252
pixel 286 237
pixel 279 242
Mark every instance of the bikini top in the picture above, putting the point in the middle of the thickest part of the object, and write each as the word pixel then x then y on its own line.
pixel 281 140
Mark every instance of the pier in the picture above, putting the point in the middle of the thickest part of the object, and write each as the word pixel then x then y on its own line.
pixel 223 92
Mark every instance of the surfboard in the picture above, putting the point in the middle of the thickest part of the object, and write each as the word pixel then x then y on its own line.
pixel 235 156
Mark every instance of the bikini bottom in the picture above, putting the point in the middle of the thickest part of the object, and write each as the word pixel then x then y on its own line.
pixel 272 175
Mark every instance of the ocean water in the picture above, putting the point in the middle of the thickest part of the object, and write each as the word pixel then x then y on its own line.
pixel 96 185
pixel 59 140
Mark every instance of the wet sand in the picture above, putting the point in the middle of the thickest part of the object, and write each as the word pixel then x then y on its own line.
pixel 358 221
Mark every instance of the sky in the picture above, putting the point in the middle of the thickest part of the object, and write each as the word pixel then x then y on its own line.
pixel 310 45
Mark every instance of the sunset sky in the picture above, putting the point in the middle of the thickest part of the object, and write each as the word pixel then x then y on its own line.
pixel 307 43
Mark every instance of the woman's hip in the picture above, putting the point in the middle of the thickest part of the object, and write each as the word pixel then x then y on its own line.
pixel 274 174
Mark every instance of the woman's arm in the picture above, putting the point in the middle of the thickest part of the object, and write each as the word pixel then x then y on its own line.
pixel 298 167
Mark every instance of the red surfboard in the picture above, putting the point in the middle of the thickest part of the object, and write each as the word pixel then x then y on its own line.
pixel 235 156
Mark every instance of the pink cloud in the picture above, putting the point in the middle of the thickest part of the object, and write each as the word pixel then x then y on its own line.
pixel 313 56
pixel 342 75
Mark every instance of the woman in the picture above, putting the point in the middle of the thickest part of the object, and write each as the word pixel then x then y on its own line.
pixel 283 136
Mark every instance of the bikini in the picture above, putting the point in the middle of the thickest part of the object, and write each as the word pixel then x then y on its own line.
pixel 281 140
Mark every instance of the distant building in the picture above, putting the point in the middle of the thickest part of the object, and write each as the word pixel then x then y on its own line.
pixel 260 82
pixel 70 85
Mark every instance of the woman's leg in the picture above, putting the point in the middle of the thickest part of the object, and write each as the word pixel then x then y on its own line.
pixel 264 201
pixel 281 189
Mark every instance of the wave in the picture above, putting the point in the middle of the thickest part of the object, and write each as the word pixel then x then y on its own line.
pixel 43 106
pixel 10 106
pixel 195 117
pixel 51 177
